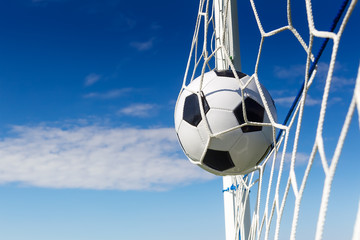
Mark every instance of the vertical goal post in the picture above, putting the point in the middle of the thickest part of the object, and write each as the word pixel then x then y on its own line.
pixel 228 44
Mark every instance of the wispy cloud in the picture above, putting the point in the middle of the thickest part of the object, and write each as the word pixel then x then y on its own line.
pixel 338 82
pixel 284 101
pixel 109 94
pixel 293 71
pixel 301 158
pixel 298 71
pixel 91 79
pixel 143 46
pixel 139 110
pixel 94 157
pixel 312 101
pixel 287 101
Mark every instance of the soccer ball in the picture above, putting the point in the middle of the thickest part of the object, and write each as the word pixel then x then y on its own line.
pixel 211 127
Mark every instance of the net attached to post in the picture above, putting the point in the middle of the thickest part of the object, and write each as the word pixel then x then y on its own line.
pixel 296 191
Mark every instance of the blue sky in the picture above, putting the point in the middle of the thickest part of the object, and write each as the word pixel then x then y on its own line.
pixel 87 93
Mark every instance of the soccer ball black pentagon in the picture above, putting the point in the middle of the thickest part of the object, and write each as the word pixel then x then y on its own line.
pixel 211 127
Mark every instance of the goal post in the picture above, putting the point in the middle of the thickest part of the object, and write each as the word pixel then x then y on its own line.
pixel 229 208
pixel 227 40
pixel 227 34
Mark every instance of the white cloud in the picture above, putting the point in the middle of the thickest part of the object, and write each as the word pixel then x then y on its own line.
pixel 293 71
pixel 284 101
pixel 143 46
pixel 91 79
pixel 109 94
pixel 301 158
pixel 138 110
pixel 339 82
pixel 323 68
pixel 334 100
pixel 287 101
pixel 298 70
pixel 312 101
pixel 94 157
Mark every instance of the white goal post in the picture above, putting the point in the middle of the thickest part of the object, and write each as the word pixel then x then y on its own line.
pixel 227 39
pixel 276 197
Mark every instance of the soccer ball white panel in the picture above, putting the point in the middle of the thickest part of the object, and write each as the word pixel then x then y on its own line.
pixel 178 116
pixel 191 141
pixel 270 101
pixel 267 131
pixel 251 90
pixel 248 151
pixel 195 84
pixel 221 120
pixel 223 93
pixel 225 141
pixel 203 130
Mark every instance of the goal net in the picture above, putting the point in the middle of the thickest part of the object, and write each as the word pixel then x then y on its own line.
pixel 308 186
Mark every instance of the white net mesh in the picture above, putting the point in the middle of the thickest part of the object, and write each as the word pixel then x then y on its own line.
pixel 290 190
